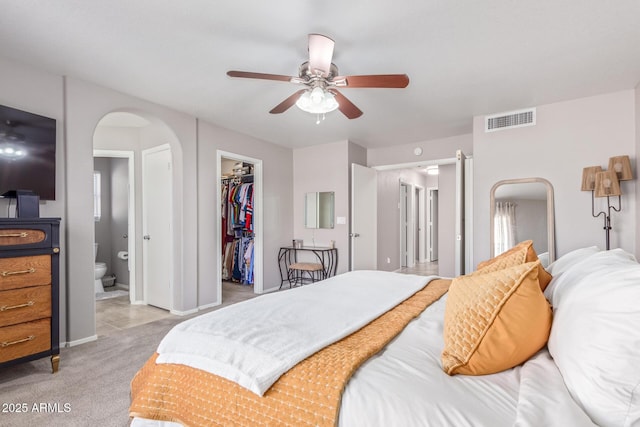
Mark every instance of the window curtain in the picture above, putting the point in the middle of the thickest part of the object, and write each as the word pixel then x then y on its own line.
pixel 504 227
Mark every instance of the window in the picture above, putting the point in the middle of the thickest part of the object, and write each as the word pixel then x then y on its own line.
pixel 505 227
pixel 97 207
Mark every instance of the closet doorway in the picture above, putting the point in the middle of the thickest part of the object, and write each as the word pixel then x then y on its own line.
pixel 239 224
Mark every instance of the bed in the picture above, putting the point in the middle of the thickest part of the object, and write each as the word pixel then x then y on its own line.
pixel 586 374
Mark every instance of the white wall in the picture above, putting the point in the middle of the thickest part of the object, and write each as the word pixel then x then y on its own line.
pixel 446 220
pixel 323 168
pixel 443 148
pixel 277 189
pixel 567 137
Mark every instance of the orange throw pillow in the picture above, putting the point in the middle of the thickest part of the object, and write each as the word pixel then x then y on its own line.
pixel 522 250
pixel 494 321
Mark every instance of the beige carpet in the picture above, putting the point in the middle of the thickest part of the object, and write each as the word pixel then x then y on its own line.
pixel 91 389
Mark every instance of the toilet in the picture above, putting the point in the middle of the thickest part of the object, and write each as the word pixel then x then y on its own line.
pixel 99 270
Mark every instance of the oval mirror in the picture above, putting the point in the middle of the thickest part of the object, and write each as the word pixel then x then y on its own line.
pixel 522 209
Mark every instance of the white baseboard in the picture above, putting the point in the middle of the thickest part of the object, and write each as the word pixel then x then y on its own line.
pixel 208 306
pixel 138 302
pixel 184 313
pixel 80 341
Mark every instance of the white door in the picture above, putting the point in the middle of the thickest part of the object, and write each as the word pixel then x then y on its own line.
pixel 433 225
pixel 460 254
pixel 404 226
pixel 364 218
pixel 421 224
pixel 156 225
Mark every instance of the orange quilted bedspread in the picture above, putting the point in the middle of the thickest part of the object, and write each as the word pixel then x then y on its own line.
pixel 309 394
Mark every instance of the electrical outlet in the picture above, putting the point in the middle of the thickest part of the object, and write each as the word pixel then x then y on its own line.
pixel 388 260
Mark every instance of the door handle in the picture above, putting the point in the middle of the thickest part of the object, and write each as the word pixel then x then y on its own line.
pixel 146 237
pixel 354 234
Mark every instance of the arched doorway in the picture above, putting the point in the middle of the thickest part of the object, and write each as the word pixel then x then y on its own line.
pixel 126 136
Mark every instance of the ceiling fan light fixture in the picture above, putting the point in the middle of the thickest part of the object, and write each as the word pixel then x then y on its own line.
pixel 321 78
pixel 317 101
pixel 432 170
pixel 11 152
pixel 316 96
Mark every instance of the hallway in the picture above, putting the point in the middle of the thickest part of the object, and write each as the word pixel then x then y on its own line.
pixel 422 268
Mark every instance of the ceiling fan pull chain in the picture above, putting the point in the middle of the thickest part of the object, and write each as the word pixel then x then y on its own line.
pixel 318 119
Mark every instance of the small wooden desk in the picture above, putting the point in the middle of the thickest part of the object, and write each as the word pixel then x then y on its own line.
pixel 327 257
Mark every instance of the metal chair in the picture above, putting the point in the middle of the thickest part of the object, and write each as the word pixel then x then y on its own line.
pixel 301 272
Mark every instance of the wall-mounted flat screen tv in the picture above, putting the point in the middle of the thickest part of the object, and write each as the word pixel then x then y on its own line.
pixel 27 153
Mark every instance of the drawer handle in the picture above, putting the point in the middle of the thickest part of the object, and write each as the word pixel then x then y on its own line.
pixel 11 273
pixel 23 234
pixel 11 307
pixel 7 344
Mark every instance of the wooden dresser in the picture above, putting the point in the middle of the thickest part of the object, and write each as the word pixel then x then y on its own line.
pixel 29 290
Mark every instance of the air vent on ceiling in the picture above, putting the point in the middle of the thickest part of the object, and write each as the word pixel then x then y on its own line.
pixel 510 120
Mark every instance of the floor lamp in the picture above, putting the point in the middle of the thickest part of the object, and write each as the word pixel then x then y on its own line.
pixel 606 183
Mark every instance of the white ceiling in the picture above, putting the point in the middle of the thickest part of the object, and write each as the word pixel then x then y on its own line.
pixel 463 57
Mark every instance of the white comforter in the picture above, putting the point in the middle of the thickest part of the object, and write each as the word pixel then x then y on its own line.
pixel 255 342
pixel 404 386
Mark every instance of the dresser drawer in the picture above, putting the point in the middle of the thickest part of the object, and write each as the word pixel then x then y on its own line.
pixel 25 304
pixel 25 237
pixel 25 271
pixel 25 339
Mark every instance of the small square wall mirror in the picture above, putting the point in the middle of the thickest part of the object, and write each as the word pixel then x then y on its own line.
pixel 318 209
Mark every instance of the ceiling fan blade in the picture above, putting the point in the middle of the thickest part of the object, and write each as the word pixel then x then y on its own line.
pixel 287 103
pixel 320 54
pixel 345 106
pixel 262 76
pixel 378 80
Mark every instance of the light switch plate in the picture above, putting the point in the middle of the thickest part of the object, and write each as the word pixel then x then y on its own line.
pixel 341 220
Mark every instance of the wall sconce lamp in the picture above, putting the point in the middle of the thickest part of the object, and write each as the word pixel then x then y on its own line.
pixel 606 183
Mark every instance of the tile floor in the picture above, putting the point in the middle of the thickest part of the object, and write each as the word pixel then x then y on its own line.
pixel 116 314
pixel 422 269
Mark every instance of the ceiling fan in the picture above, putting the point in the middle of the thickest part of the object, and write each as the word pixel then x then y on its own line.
pixel 321 78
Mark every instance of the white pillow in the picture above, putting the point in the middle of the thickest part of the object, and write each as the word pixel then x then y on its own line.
pixel 565 262
pixel 595 336
pixel 544 259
